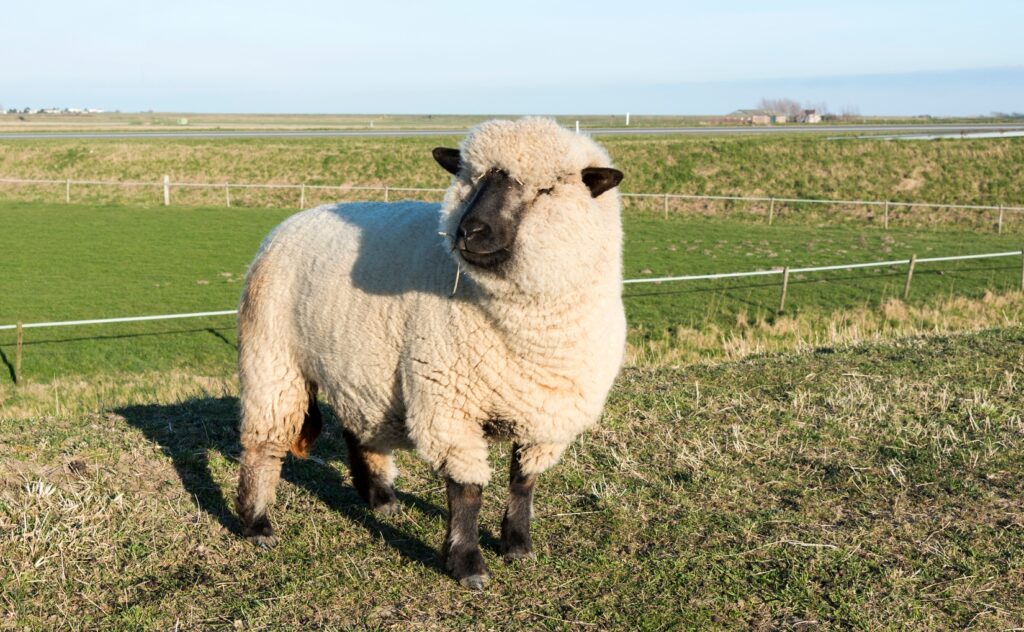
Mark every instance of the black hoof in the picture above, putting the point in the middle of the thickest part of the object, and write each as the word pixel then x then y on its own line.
pixel 382 500
pixel 388 509
pixel 517 553
pixel 261 533
pixel 468 568
pixel 474 582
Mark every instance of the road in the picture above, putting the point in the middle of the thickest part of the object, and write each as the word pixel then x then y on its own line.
pixel 610 131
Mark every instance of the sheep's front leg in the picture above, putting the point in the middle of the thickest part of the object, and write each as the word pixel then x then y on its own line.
pixel 373 473
pixel 515 526
pixel 461 551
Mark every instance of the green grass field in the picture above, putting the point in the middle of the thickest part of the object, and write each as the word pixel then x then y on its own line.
pixel 873 487
pixel 986 171
pixel 82 262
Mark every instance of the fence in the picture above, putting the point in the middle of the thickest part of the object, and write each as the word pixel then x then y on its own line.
pixel 785 272
pixel 886 207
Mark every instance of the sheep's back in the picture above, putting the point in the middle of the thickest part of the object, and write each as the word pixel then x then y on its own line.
pixel 347 279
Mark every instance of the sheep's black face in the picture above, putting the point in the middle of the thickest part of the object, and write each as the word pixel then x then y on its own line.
pixel 490 220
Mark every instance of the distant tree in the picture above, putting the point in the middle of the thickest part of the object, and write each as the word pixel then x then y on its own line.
pixel 820 107
pixel 789 107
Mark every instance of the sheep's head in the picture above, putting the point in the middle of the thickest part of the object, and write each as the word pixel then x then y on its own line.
pixel 531 204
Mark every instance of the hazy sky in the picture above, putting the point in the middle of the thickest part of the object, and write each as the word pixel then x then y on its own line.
pixel 900 57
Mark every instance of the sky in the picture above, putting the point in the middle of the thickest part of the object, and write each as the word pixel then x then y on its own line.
pixel 900 57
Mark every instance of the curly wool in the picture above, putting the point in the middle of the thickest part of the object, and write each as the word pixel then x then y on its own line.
pixel 357 299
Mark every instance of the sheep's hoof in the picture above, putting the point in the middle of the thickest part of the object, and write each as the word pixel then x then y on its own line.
pixel 392 508
pixel 261 533
pixel 517 553
pixel 474 582
pixel 264 541
pixel 382 500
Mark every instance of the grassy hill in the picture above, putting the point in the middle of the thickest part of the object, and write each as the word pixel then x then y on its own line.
pixel 984 171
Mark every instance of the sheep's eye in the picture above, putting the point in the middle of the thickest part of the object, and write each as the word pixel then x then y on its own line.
pixel 547 191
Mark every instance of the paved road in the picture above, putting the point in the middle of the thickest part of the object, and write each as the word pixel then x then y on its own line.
pixel 611 131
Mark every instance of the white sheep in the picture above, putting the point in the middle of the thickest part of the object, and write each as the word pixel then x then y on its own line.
pixel 504 322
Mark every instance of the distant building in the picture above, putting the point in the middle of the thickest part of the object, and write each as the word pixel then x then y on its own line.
pixel 757 117
pixel 809 116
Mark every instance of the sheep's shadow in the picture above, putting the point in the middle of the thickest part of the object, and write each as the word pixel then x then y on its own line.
pixel 187 431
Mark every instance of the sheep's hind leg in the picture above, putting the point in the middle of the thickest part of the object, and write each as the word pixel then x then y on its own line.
pixel 461 551
pixel 515 526
pixel 372 474
pixel 265 441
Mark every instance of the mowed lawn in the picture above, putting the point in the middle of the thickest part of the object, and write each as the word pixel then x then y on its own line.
pixel 877 486
pixel 66 262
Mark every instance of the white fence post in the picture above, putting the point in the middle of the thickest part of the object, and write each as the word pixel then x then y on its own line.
pixel 387 194
pixel 17 353
pixel 167 190
pixel 67 191
pixel 785 287
pixel 910 277
pixel 886 220
pixel 666 206
pixel 227 194
pixel 771 211
pixel 999 230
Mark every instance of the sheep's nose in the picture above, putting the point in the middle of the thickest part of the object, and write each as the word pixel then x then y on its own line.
pixel 473 230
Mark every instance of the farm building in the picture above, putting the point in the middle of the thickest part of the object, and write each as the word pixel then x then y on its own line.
pixel 757 117
pixel 809 116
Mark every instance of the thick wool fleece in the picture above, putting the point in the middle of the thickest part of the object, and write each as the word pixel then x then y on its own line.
pixel 357 299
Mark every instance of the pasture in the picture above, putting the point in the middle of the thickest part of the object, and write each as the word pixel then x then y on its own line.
pixel 853 461
pixel 79 262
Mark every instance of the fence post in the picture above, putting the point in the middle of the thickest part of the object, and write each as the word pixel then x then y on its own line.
pixel 999 230
pixel 887 215
pixel 666 206
pixel 17 353
pixel 910 276
pixel 167 190
pixel 227 194
pixel 771 211
pixel 67 191
pixel 785 287
pixel 302 197
pixel 387 194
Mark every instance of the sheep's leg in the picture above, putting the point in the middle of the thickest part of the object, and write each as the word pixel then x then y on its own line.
pixel 461 551
pixel 272 422
pixel 372 472
pixel 515 526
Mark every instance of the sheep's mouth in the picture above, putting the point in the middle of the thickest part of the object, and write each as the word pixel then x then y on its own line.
pixel 485 259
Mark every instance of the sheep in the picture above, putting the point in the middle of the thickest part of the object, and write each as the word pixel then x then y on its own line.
pixel 495 316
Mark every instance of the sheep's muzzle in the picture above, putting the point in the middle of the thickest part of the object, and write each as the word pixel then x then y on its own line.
pixel 488 226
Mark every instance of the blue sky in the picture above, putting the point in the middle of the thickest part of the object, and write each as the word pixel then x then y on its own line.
pixel 906 57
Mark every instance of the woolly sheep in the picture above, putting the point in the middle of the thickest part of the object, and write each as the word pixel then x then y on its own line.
pixel 504 321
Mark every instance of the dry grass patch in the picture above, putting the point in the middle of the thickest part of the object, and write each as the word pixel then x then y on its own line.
pixel 871 486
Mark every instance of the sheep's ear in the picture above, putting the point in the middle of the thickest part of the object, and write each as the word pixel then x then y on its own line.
pixel 600 179
pixel 448 158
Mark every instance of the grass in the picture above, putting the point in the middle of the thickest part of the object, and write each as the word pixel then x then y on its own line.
pixel 982 171
pixel 80 262
pixel 874 486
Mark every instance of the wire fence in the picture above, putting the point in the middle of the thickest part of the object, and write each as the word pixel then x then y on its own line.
pixel 784 272
pixel 882 212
